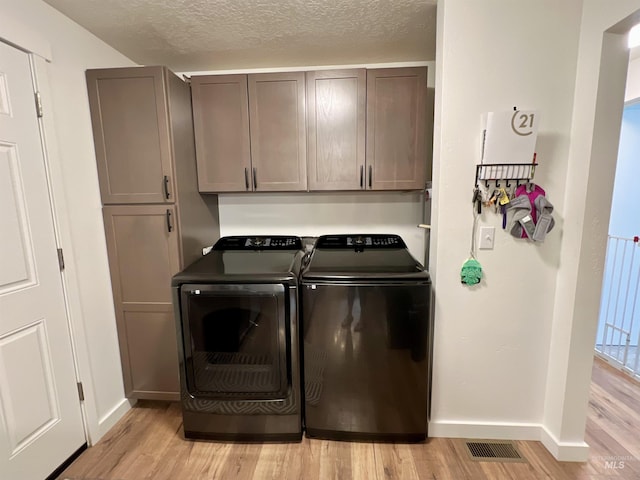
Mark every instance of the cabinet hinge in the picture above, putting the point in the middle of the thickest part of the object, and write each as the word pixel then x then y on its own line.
pixel 38 104
pixel 61 259
pixel 80 391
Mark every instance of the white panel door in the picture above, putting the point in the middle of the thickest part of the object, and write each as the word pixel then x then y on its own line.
pixel 40 417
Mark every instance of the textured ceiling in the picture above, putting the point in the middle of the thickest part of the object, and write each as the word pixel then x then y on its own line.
pixel 190 35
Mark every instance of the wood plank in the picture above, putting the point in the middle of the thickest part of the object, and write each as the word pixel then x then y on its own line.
pixel 394 461
pixel 363 459
pixel 431 462
pixel 278 461
pixel 311 458
pixel 336 460
pixel 148 443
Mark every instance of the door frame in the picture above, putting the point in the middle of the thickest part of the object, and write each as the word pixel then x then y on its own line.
pixel 38 50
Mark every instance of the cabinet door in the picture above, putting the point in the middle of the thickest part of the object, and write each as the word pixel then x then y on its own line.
pixel 278 134
pixel 142 243
pixel 131 134
pixel 396 137
pixel 336 109
pixel 221 123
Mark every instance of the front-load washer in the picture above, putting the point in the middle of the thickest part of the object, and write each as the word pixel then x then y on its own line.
pixel 237 324
pixel 366 340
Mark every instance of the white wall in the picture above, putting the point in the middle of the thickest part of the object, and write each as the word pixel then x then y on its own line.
pixel 598 103
pixel 78 201
pixel 632 90
pixel 512 356
pixel 521 345
pixel 313 214
pixel 492 340
pixel 624 221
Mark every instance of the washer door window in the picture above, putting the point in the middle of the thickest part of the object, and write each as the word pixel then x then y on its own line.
pixel 235 340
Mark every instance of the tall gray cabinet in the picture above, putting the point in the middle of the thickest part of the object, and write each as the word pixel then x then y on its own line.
pixel 155 220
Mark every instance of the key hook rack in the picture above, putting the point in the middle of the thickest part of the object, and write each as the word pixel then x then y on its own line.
pixel 507 172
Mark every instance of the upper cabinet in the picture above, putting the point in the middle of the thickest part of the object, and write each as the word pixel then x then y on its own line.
pixel 250 132
pixel 336 112
pixel 396 120
pixel 133 150
pixel 221 125
pixel 278 136
pixel 339 130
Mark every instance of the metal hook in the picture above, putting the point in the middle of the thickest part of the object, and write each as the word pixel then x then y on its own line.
pixel 508 185
pixel 497 183
pixel 486 182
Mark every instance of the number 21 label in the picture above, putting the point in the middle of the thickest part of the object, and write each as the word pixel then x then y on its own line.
pixel 522 123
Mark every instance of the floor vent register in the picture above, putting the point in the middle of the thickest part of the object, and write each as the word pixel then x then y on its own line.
pixel 493 451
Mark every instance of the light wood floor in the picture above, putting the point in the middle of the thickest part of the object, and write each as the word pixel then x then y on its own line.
pixel 148 444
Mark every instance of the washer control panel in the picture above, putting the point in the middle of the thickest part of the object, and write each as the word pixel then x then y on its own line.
pixel 360 242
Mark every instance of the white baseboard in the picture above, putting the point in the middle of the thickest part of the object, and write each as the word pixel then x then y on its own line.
pixel 112 416
pixel 562 451
pixel 489 431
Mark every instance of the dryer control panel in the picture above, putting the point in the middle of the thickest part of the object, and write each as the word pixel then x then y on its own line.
pixel 275 242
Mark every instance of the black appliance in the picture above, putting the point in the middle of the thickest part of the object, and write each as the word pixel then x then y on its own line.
pixel 367 339
pixel 237 323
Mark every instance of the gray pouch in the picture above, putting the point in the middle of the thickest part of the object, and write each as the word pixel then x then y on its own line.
pixel 518 209
pixel 545 221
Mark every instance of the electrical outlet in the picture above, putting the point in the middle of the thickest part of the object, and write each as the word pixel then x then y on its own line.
pixel 486 235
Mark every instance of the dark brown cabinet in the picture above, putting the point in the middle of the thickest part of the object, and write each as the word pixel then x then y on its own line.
pixel 336 113
pixel 250 132
pixel 133 151
pixel 221 124
pixel 278 134
pixel 396 122
pixel 156 222
pixel 352 129
pixel 392 105
pixel 142 241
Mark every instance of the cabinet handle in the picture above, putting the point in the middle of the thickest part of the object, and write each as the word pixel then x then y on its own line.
pixel 361 176
pixel 255 179
pixel 246 178
pixel 370 174
pixel 166 187
pixel 169 225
